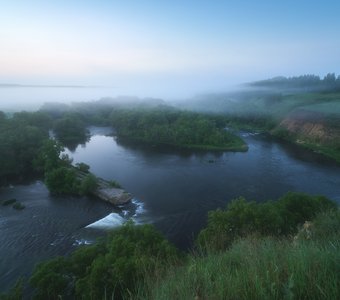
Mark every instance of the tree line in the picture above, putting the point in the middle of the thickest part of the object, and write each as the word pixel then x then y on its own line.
pixel 168 126
pixel 330 82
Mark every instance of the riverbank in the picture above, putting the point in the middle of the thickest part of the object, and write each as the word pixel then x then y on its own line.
pixel 316 131
pixel 238 145
pixel 262 250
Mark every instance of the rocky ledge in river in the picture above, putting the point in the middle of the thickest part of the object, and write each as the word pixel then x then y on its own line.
pixel 113 195
pixel 106 192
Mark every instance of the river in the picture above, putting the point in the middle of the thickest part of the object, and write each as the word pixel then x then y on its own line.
pixel 173 189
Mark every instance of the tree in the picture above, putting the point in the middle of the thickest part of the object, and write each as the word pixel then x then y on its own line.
pixel 296 208
pixel 51 279
pixel 70 130
pixel 110 269
pixel 49 156
pixel 62 180
pixel 247 217
pixel 88 185
pixel 329 78
pixel 19 144
pixel 131 252
pixel 83 167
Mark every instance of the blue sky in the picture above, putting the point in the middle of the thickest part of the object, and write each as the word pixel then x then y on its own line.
pixel 166 48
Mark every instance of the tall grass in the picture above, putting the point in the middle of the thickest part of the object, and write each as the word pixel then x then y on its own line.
pixel 304 267
pixel 257 269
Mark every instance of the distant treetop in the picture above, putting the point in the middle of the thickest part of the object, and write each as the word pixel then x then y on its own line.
pixel 311 82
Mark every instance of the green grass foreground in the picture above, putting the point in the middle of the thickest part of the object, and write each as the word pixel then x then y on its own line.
pixel 257 268
pixel 260 251
pixel 284 249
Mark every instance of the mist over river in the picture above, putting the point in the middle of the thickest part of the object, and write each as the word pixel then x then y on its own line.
pixel 31 98
pixel 173 189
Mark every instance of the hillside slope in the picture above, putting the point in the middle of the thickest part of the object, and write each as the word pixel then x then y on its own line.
pixel 319 131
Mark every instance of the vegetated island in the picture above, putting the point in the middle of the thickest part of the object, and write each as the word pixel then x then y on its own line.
pixel 287 248
pixel 168 126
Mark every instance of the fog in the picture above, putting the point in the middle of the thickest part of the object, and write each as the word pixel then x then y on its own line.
pixel 265 96
pixel 32 98
pixel 16 97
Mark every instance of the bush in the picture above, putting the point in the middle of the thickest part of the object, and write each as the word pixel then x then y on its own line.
pixel 70 129
pixel 51 279
pixel 109 269
pixel 132 251
pixel 83 167
pixel 88 185
pixel 62 180
pixel 114 184
pixel 296 208
pixel 269 218
pixel 326 226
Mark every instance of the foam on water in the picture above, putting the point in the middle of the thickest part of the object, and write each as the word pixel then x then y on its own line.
pixel 115 220
pixel 246 134
pixel 140 210
pixel 82 242
pixel 110 221
pixel 139 207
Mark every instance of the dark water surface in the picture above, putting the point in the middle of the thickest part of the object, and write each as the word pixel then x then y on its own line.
pixel 172 189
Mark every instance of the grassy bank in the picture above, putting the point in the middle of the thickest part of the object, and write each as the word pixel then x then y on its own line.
pixel 289 248
pixel 304 265
pixel 235 144
pixel 257 268
pixel 328 151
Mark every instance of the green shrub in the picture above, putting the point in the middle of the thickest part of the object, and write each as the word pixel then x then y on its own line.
pixel 62 180
pixel 296 208
pixel 111 269
pixel 83 167
pixel 131 252
pixel 70 129
pixel 114 184
pixel 51 279
pixel 269 218
pixel 326 226
pixel 88 185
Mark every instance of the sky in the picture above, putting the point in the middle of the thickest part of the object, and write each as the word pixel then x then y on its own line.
pixel 166 48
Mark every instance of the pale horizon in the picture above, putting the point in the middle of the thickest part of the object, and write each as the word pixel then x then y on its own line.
pixel 165 49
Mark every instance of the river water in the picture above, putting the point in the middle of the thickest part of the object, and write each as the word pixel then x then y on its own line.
pixel 172 189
